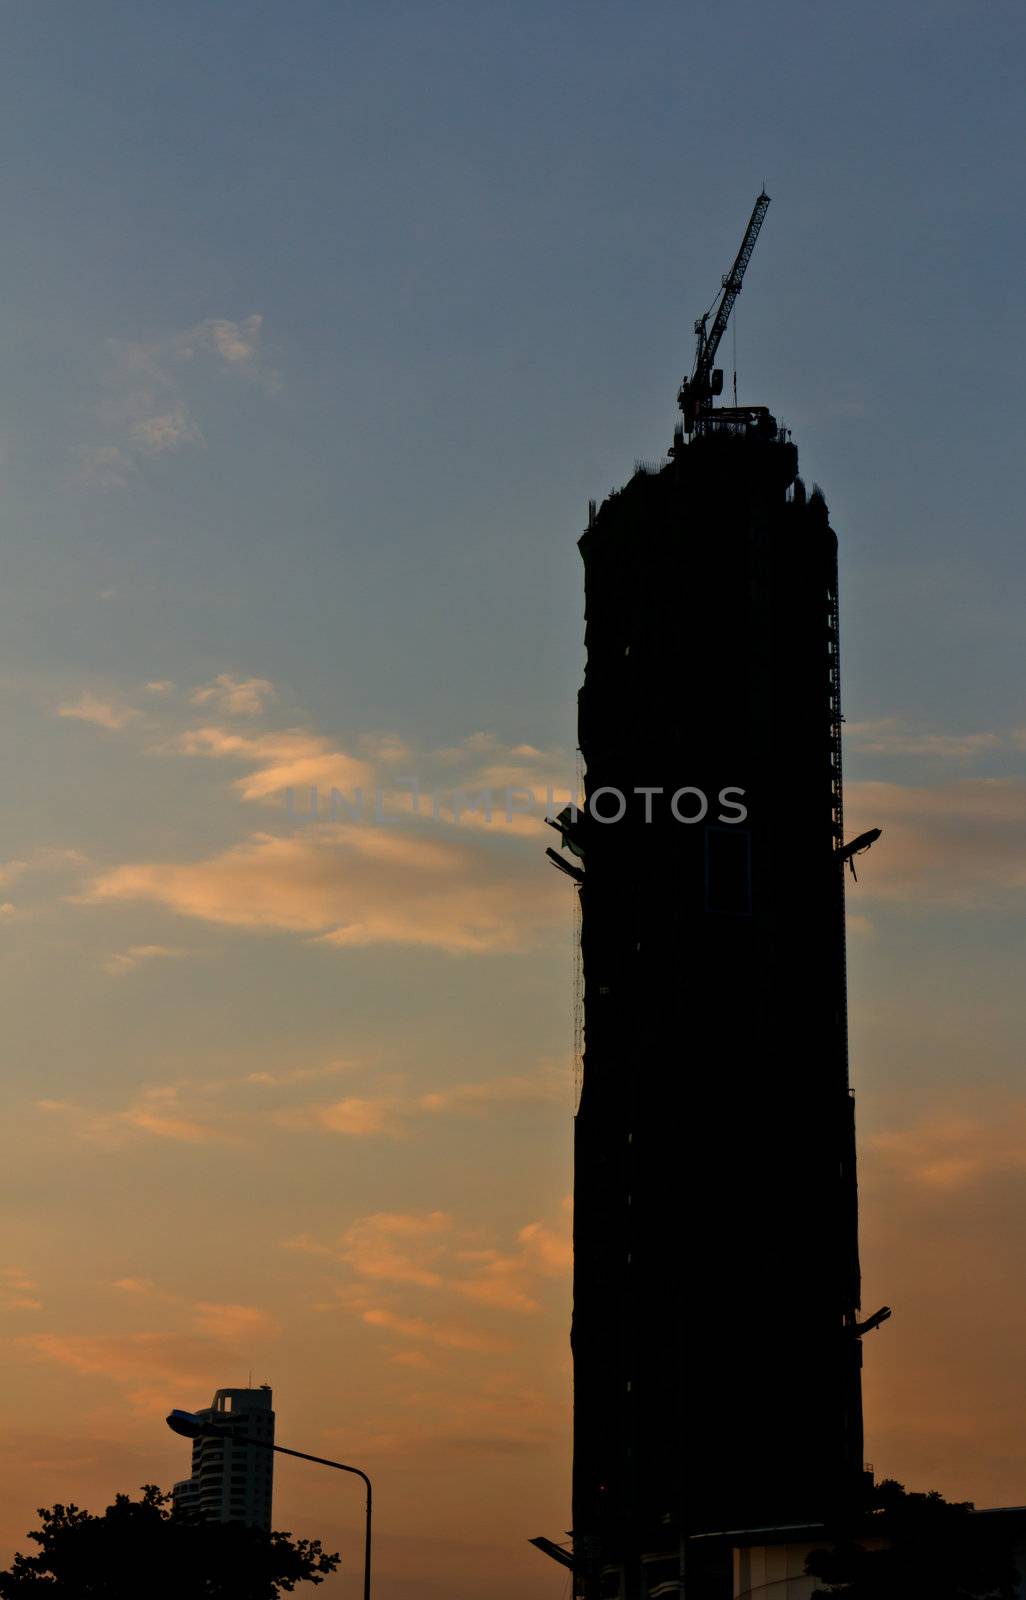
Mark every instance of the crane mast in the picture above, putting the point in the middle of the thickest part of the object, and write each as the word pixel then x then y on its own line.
pixel 696 393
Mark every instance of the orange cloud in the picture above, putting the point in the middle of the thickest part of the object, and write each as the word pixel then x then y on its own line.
pixel 427 1251
pixel 392 1115
pixel 952 1149
pixel 103 713
pixel 385 747
pixel 355 886
pixel 156 1112
pixel 354 1116
pixel 546 1250
pixel 892 736
pixel 154 1367
pixel 48 859
pixel 470 1435
pixel 547 1086
pixel 145 401
pixel 397 1248
pixel 235 1324
pixel 962 843
pixel 510 1281
pixel 244 697
pixel 168 1125
pixel 292 759
pixel 18 1291
pixel 276 1080
pixel 494 789
pixel 126 961
pixel 943 1199
pixel 155 435
pixel 192 1111
pixel 151 1366
pixel 450 1335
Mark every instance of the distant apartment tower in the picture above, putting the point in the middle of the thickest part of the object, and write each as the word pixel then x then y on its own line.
pixel 232 1481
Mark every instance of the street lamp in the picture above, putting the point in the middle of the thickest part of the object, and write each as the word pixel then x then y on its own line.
pixel 192 1427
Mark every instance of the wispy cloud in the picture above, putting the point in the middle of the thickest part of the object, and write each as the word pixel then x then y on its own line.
pixel 359 1116
pixel 158 1112
pixel 229 1321
pixel 398 1248
pixel 136 955
pixel 962 843
pixel 237 343
pixel 450 1335
pixel 894 736
pixel 480 783
pixel 291 759
pixel 355 886
pixel 163 1112
pixel 18 1292
pixel 169 430
pixel 396 1114
pixel 481 770
pixel 955 1146
pixel 385 748
pixel 103 713
pixel 234 1323
pixel 290 1076
pixel 48 859
pixel 942 1198
pixel 105 467
pixel 429 1252
pixel 240 1110
pixel 147 404
pixel 235 696
pixel 382 866
pixel 151 1365
pixel 402 874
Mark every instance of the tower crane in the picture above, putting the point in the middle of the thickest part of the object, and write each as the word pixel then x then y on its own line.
pixel 696 393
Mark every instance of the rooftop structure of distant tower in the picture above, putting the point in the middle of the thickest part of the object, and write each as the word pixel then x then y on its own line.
pixel 231 1481
pixel 716 1335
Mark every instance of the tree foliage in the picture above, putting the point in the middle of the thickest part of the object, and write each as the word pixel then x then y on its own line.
pixel 145 1548
pixel 910 1545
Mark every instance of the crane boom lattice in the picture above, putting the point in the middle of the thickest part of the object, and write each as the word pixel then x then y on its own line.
pixel 697 392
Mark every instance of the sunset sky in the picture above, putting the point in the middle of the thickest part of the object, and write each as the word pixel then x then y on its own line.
pixel 321 323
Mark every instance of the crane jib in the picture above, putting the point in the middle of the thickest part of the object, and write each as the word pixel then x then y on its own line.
pixel 699 388
pixel 732 282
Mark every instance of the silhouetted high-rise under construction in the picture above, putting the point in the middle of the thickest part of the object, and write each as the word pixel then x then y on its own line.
pixel 716 1338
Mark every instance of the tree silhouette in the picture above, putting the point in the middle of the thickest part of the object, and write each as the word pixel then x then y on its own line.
pixel 144 1547
pixel 928 1546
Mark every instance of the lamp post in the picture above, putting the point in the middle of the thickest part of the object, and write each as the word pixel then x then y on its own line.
pixel 192 1427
